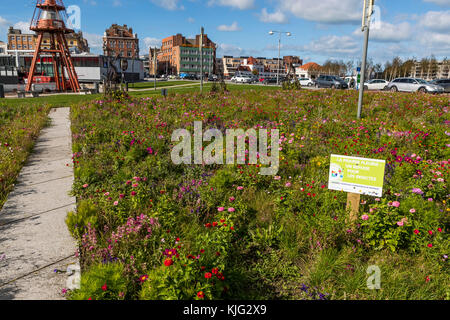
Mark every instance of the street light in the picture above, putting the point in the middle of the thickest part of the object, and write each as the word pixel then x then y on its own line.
pixel 279 49
pixel 367 14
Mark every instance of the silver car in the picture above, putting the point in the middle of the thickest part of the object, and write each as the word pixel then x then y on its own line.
pixel 413 85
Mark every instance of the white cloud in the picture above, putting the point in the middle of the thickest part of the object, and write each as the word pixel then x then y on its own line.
pixel 168 4
pixel 150 42
pixel 387 32
pixel 324 11
pixel 231 28
pixel 237 4
pixel 275 17
pixel 23 26
pixel 191 20
pixel 331 45
pixel 436 20
pixel 444 3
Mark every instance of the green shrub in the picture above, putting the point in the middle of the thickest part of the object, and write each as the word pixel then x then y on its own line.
pixel 102 282
pixel 87 213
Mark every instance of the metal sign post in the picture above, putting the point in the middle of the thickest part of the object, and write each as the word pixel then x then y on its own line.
pixel 154 68
pixel 201 60
pixel 367 14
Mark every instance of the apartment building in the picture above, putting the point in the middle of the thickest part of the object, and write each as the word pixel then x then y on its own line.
pixel 181 55
pixel 21 42
pixel 26 42
pixel 430 71
pixel 230 65
pixel 120 41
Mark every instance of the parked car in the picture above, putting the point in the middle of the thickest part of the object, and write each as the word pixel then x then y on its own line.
pixel 413 85
pixel 306 82
pixel 213 77
pixel 445 83
pixel 244 79
pixel 351 81
pixel 233 79
pixel 376 84
pixel 334 82
pixel 270 81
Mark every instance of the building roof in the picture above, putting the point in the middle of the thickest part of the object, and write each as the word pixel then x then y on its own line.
pixel 310 65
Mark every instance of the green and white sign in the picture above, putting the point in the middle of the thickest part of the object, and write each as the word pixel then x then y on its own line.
pixel 357 175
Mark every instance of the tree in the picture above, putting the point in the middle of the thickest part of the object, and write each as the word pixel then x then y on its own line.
pixel 424 63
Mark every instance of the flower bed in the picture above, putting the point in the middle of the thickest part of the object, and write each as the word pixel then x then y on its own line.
pixel 150 229
pixel 20 126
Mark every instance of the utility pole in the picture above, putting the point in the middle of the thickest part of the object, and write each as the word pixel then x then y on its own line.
pixel 367 14
pixel 201 60
pixel 154 68
pixel 279 50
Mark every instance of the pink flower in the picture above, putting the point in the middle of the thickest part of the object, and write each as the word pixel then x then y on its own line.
pixel 116 203
pixel 288 185
pixel 133 193
pixel 107 194
pixel 85 185
pixel 221 209
pixel 232 199
pixel 365 217
pixel 412 210
pixel 231 210
pixel 400 223
pixel 240 188
pixel 121 196
pixel 396 204
pixel 277 178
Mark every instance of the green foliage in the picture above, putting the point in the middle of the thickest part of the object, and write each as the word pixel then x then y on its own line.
pixel 87 214
pixel 102 282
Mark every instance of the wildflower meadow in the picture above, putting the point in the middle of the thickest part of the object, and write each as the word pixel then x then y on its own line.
pixel 151 229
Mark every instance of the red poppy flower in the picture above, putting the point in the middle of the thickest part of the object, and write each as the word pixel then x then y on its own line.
pixel 208 275
pixel 104 287
pixel 202 251
pixel 439 230
pixel 416 231
pixel 430 245
pixel 215 224
pixel 215 270
pixel 430 232
pixel 168 262
pixel 200 295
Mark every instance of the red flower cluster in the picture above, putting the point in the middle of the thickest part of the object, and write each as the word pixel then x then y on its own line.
pixel 168 262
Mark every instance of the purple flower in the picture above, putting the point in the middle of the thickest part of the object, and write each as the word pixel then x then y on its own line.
pixel 417 191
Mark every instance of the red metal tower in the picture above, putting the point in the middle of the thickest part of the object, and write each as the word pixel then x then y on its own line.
pixel 49 17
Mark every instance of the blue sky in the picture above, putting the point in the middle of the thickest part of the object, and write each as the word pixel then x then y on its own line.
pixel 321 29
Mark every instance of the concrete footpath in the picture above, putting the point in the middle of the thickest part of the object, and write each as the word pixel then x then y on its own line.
pixel 34 239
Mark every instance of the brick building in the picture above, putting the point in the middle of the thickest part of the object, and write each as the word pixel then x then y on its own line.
pixel 120 41
pixel 181 55
pixel 26 42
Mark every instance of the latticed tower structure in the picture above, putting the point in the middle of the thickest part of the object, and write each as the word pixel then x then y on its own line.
pixel 50 17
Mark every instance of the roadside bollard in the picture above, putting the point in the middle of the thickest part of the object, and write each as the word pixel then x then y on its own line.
pixel 2 91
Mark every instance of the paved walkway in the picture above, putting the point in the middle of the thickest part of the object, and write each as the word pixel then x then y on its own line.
pixel 34 239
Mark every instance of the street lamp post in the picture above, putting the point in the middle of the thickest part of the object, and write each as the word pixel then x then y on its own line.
pixel 279 50
pixel 367 14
